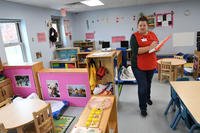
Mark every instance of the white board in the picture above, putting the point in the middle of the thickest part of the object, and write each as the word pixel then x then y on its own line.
pixel 183 39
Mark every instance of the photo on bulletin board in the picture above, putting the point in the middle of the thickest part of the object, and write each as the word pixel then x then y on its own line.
pixel 22 81
pixel 53 88
pixel 76 90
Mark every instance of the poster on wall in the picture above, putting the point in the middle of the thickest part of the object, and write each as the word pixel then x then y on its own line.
pixel 22 81
pixel 76 90
pixel 63 12
pixel 41 37
pixel 53 88
pixel 66 27
pixel 116 39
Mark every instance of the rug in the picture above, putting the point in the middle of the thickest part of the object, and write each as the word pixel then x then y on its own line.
pixel 63 123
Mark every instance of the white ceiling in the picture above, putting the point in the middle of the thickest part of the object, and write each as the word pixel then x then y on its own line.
pixel 57 4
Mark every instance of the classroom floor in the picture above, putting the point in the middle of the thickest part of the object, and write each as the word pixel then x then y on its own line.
pixel 129 119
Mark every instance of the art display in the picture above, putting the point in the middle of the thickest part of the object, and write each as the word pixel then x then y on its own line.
pixel 53 88
pixel 76 90
pixel 165 19
pixel 22 81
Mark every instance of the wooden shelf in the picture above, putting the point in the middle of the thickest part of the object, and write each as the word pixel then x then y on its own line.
pixel 109 117
pixel 110 55
pixel 59 49
pixel 84 45
pixel 82 56
pixel 107 62
pixel 81 63
pixel 75 70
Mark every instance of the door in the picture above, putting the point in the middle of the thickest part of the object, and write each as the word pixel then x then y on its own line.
pixel 7 91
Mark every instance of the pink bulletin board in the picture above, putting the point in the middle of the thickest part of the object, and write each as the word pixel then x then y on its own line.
pixel 63 81
pixel 89 35
pixel 21 71
pixel 118 39
pixel 41 37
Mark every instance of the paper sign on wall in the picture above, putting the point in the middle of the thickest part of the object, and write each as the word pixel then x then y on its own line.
pixel 66 27
pixel 63 12
pixel 89 35
pixel 118 39
pixel 41 37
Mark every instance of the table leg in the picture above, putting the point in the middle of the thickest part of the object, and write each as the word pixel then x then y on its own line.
pixel 19 130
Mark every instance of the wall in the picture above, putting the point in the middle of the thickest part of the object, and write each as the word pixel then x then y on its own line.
pixel 104 30
pixel 33 21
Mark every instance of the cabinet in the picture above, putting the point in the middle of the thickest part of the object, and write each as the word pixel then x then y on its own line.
pixel 1 66
pixel 196 67
pixel 107 60
pixel 5 89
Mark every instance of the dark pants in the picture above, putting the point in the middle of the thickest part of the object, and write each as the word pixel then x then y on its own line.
pixel 144 79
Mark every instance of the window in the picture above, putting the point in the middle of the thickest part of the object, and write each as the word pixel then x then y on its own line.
pixel 11 38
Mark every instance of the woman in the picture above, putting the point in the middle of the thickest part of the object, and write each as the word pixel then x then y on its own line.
pixel 143 63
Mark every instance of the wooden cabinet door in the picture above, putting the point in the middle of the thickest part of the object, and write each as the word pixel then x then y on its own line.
pixel 7 91
pixel 1 95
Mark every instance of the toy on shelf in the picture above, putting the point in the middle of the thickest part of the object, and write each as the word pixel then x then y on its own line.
pixel 94 118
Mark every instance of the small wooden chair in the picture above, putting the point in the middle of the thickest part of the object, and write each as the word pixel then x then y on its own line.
pixel 7 101
pixel 43 122
pixel 166 71
pixel 2 128
pixel 178 57
pixel 180 69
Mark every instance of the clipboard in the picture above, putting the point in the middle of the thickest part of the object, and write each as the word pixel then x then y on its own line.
pixel 160 44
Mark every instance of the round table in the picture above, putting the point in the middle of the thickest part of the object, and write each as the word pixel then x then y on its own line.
pixel 19 113
pixel 175 64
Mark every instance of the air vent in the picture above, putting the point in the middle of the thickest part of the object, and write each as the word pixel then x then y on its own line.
pixel 73 4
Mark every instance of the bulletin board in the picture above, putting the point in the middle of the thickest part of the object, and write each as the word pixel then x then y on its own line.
pixel 165 19
pixel 72 86
pixel 22 78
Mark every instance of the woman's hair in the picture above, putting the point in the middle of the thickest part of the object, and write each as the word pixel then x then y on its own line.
pixel 142 18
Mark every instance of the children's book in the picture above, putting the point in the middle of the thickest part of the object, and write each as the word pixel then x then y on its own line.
pixel 160 44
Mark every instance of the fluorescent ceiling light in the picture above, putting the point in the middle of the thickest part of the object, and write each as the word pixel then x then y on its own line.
pixel 92 2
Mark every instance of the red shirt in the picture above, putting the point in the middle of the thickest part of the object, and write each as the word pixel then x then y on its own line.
pixel 146 61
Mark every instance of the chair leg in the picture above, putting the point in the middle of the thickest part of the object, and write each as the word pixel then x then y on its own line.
pixel 168 106
pixel 176 120
pixel 174 107
pixel 193 128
